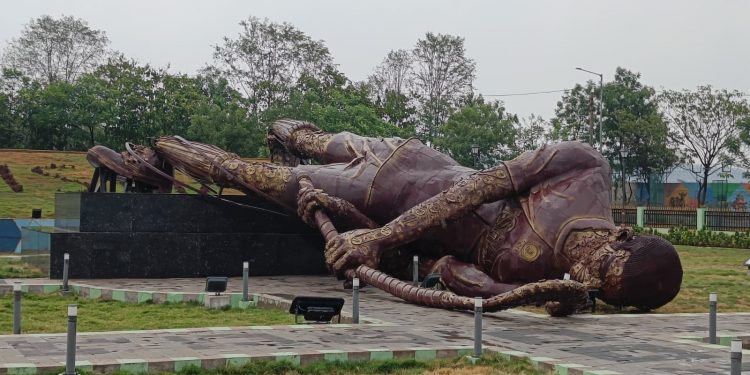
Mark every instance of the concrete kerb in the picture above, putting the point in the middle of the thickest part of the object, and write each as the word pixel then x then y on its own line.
pixel 142 366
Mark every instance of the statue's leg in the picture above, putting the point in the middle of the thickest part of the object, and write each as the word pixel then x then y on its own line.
pixel 292 140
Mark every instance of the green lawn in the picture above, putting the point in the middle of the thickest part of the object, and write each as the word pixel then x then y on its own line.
pixel 47 314
pixel 15 267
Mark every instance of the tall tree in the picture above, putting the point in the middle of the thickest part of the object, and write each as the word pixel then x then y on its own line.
pixel 443 75
pixel 480 123
pixel 334 104
pixel 54 50
pixel 531 133
pixel 391 86
pixel 11 132
pixel 634 135
pixel 266 59
pixel 705 126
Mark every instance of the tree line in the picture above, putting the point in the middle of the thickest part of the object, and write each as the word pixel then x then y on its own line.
pixel 63 88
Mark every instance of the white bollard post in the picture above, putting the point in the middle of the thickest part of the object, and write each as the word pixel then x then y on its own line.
pixel 477 327
pixel 66 267
pixel 415 274
pixel 245 275
pixel 712 301
pixel 736 357
pixel 17 308
pixel 355 300
pixel 70 355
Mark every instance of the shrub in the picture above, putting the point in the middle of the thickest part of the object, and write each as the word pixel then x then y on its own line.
pixel 704 237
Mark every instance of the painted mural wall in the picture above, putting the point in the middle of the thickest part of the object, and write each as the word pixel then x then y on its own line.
pixel 734 196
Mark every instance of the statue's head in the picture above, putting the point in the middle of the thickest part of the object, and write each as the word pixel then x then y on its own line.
pixel 642 271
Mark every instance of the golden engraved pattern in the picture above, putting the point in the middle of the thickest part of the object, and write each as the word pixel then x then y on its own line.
pixel 496 236
pixel 457 201
pixel 310 143
pixel 590 250
pixel 271 179
pixel 371 235
pixel 528 250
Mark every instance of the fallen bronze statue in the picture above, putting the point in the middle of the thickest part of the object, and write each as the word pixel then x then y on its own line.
pixel 507 233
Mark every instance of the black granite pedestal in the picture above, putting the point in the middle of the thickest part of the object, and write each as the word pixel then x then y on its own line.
pixel 132 235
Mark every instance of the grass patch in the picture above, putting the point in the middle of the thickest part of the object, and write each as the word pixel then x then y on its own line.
pixel 48 314
pixel 15 267
pixel 488 364
pixel 39 191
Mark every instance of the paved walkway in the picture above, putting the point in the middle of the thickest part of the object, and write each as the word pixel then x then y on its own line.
pixel 594 344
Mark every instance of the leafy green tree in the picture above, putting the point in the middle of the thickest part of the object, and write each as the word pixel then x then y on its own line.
pixel 52 50
pixel 391 86
pixel 531 133
pixel 334 104
pixel 705 127
pixel 443 76
pixel 635 138
pixel 11 133
pixel 266 59
pixel 485 124
pixel 221 118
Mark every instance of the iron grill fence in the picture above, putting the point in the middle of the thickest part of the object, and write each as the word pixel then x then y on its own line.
pixel 727 220
pixel 668 217
pixel 627 215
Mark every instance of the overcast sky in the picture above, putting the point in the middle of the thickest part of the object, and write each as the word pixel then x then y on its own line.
pixel 519 46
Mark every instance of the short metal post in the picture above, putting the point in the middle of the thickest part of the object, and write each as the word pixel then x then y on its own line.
pixel 17 309
pixel 245 274
pixel 712 318
pixel 566 276
pixel 477 327
pixel 355 300
pixel 66 266
pixel 736 357
pixel 415 274
pixel 70 355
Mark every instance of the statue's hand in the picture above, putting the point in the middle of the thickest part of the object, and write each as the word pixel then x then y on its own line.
pixel 349 250
pixel 308 201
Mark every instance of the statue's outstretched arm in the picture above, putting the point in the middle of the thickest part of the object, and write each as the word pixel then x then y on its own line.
pixel 517 176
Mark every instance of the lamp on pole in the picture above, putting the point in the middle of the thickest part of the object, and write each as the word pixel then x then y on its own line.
pixel 623 157
pixel 601 100
pixel 475 154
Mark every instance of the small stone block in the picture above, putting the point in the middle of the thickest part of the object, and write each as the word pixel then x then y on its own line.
pixel 562 368
pixel 216 302
pixel 181 363
pixel 536 361
pixel 236 360
pixel 425 354
pixel 601 372
pixel 726 340
pixel 95 293
pixel 174 297
pixel 134 366
pixel 119 295
pixel 334 355
pixel 235 299
pixel 20 368
pixel 244 305
pixel 512 354
pixel 292 357
pixel 145 297
pixel 25 289
pixel 75 288
pixel 50 288
pixel 83 365
pixel 201 298
pixel 380 354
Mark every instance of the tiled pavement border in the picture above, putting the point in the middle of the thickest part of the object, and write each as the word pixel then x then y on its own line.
pixel 140 366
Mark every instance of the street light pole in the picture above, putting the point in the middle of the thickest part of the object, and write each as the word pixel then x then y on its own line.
pixel 601 100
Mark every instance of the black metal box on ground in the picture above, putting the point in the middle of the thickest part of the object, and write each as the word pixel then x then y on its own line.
pixel 132 235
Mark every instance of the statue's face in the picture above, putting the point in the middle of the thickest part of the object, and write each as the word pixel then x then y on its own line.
pixel 644 271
